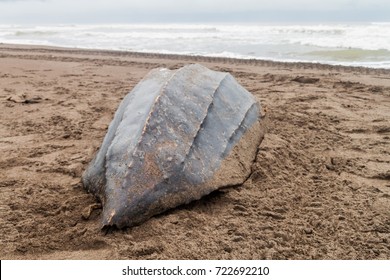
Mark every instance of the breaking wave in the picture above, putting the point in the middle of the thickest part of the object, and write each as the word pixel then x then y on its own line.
pixel 346 44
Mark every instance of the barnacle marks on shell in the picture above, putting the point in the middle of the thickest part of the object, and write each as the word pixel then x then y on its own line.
pixel 177 136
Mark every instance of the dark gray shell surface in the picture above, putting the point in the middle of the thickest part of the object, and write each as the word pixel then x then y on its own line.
pixel 177 136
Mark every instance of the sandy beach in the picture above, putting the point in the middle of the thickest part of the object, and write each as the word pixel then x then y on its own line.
pixel 319 189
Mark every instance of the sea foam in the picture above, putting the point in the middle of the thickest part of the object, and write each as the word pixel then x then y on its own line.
pixel 365 44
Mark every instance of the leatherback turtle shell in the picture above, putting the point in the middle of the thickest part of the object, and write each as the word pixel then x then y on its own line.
pixel 177 136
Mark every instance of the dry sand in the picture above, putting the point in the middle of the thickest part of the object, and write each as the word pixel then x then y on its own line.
pixel 320 187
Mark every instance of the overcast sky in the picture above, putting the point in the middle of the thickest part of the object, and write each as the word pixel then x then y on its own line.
pixel 121 11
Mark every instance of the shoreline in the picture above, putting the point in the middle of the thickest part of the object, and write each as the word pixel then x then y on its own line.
pixel 194 58
pixel 319 187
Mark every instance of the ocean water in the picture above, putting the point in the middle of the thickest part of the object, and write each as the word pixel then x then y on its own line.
pixel 364 44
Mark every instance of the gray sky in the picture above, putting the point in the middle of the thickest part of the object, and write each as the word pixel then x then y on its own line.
pixel 121 11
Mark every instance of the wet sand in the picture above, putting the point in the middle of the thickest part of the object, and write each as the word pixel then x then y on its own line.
pixel 319 189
